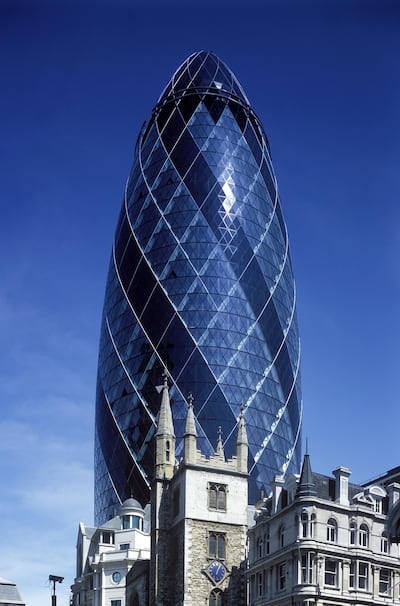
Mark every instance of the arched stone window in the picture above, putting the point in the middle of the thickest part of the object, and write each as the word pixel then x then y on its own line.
pixel 304 524
pixel 266 541
pixel 260 547
pixel 281 536
pixel 363 535
pixel 331 530
pixel 312 524
pixel 217 497
pixel 215 598
pixel 353 533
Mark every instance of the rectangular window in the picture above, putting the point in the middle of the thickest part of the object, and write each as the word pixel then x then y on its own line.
pixel 352 577
pixel 384 581
pixel 115 602
pixel 331 567
pixel 124 546
pixel 362 575
pixel 281 579
pixel 266 542
pixel 216 545
pixel 307 568
pixel 107 537
pixel 260 585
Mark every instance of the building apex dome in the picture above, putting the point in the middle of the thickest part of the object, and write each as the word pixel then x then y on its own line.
pixel 131 504
pixel 203 71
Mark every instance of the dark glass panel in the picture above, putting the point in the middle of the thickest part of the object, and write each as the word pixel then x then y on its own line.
pixel 115 453
pixel 215 107
pixel 172 130
pixel 129 262
pixel 147 129
pixel 141 287
pixel 269 181
pixel 178 342
pixel 280 219
pixel 199 181
pixel 122 236
pixel 253 143
pixel 164 114
pixel 239 114
pixel 157 315
pixel 187 105
pixel 256 128
pixel 184 153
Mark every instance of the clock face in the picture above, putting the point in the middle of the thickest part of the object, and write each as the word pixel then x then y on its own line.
pixel 217 571
pixel 116 577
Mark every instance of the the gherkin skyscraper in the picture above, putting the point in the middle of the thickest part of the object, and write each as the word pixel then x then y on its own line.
pixel 201 281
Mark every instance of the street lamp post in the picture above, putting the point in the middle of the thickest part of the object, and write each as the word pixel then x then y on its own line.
pixel 54 579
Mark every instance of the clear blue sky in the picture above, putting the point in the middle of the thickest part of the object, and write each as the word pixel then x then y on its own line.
pixel 78 80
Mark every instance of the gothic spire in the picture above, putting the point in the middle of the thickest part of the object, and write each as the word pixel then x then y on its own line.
pixel 165 425
pixel 306 487
pixel 220 448
pixel 190 427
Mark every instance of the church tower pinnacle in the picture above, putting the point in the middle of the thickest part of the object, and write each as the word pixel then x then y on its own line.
pixel 190 435
pixel 242 444
pixel 165 436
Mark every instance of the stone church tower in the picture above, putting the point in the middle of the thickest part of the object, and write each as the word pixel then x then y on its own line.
pixel 199 518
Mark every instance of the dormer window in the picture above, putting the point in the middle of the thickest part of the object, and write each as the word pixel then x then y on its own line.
pixel 107 537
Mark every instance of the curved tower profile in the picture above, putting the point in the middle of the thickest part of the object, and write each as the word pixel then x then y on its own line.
pixel 200 281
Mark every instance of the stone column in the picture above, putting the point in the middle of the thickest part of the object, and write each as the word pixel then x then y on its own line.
pixel 345 575
pixel 375 572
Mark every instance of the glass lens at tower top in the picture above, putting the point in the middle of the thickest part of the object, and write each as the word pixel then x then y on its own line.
pixel 201 280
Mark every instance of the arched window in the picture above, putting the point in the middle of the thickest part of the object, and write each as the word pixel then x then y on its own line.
pixel 331 531
pixel 281 536
pixel 363 535
pixel 217 497
pixel 167 450
pixel 353 531
pixel 259 547
pixel 304 524
pixel 266 541
pixel 312 524
pixel 384 544
pixel 215 598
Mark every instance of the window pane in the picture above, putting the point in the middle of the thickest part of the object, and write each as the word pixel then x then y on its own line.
pixel 221 547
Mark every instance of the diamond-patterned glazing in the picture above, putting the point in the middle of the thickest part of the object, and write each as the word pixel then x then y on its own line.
pixel 201 280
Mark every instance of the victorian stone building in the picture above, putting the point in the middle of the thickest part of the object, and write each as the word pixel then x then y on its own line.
pixel 321 540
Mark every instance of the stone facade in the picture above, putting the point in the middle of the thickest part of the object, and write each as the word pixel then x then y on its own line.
pixel 106 554
pixel 199 521
pixel 320 540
